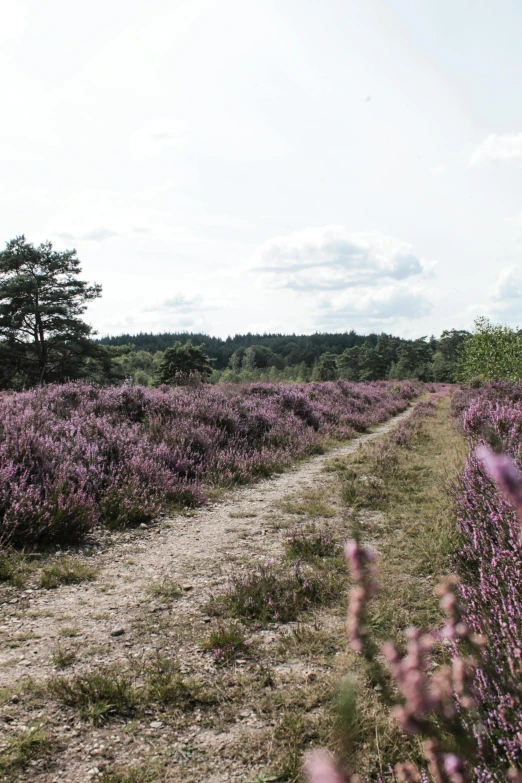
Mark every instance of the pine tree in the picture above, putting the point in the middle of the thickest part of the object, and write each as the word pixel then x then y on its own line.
pixel 184 364
pixel 42 337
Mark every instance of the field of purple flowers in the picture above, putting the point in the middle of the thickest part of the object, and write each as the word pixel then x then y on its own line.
pixel 489 565
pixel 76 455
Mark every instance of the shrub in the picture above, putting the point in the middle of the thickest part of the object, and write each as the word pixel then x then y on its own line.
pixel 492 352
pixel 276 593
pixel 489 564
pixel 76 455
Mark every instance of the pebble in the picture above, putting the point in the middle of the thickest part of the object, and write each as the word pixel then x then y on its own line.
pixel 188 587
pixel 15 699
pixel 156 724
pixel 118 632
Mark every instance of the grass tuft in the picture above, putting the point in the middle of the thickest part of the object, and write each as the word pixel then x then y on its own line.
pixel 227 642
pixel 310 504
pixel 13 568
pixel 126 775
pixel 62 658
pixel 26 746
pixel 97 695
pixel 277 593
pixel 167 589
pixel 311 542
pixel 65 570
pixel 168 686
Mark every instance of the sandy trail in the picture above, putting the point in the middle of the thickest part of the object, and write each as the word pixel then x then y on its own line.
pixel 115 614
pixel 117 620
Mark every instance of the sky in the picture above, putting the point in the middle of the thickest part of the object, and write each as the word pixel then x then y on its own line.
pixel 270 165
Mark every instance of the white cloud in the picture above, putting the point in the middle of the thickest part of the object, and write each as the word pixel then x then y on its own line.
pixel 98 217
pixel 156 136
pixel 175 304
pixel 330 258
pixel 98 234
pixel 13 18
pixel 374 306
pixel 498 148
pixel 508 285
pixel 166 316
pixel 505 302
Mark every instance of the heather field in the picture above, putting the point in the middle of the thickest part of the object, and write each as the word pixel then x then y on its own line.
pixel 205 637
pixel 489 563
pixel 75 455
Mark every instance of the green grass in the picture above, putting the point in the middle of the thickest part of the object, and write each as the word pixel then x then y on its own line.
pixel 166 590
pixel 310 503
pixel 14 568
pixel 167 686
pixel 276 592
pixel 415 531
pixel 26 746
pixel 227 642
pixel 312 643
pixel 396 500
pixel 98 695
pixel 62 657
pixel 126 775
pixel 69 631
pixel 311 542
pixel 107 692
pixel 66 570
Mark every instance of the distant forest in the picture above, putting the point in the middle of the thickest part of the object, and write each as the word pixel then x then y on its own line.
pixel 321 356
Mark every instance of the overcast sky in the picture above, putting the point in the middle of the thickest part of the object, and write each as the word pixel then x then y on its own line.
pixel 270 165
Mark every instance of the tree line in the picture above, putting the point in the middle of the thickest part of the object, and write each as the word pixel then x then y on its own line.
pixel 44 339
pixel 301 358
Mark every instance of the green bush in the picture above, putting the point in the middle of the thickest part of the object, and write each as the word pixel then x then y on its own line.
pixel 493 352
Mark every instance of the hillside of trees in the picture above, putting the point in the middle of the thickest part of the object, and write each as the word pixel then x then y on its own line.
pixel 320 356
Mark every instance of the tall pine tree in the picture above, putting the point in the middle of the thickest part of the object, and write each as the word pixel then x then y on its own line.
pixel 42 337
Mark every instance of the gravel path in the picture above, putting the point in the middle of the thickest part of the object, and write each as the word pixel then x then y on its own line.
pixel 196 551
pixel 119 619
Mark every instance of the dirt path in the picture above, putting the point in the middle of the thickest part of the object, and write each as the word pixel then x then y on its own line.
pixel 116 617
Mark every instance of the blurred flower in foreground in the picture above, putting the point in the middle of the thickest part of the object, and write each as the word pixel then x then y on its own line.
pixel 503 471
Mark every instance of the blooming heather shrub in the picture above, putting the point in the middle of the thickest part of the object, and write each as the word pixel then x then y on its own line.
pixel 502 392
pixel 75 455
pixel 490 567
pixel 309 542
pixel 272 592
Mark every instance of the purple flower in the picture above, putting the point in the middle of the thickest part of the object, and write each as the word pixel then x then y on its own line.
pixel 503 471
